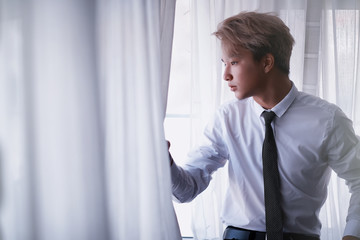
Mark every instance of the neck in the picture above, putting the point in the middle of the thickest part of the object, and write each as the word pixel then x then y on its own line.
pixel 275 88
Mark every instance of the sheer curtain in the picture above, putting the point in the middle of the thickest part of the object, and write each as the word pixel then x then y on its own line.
pixel 339 82
pixel 83 89
pixel 139 56
pixel 325 62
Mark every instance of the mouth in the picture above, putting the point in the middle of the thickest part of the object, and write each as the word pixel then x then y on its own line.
pixel 232 88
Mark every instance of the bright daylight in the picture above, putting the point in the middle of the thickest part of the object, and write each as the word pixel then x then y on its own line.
pixel 180 120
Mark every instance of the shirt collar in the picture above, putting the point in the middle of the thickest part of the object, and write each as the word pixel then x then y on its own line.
pixel 280 108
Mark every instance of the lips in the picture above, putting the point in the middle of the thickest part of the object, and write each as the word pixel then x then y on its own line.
pixel 232 87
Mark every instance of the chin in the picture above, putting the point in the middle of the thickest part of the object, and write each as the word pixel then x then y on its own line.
pixel 241 96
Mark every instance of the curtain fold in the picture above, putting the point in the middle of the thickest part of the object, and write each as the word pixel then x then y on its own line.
pixel 339 83
pixel 56 177
pixel 137 164
pixel 339 58
pixel 167 18
pixel 83 89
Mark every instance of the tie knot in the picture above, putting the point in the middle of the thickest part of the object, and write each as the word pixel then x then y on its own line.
pixel 268 116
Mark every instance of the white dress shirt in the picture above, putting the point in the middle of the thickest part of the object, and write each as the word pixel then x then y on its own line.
pixel 312 137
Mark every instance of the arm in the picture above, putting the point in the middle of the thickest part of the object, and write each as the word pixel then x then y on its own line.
pixel 190 180
pixel 344 158
pixel 194 177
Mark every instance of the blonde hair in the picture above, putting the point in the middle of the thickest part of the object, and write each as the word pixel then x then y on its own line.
pixel 260 33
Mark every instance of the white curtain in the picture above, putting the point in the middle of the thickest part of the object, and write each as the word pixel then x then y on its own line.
pixel 83 89
pixel 339 82
pixel 325 62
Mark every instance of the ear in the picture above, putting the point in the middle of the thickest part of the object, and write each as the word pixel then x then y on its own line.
pixel 268 62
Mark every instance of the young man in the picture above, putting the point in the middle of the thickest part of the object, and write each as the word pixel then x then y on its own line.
pixel 305 137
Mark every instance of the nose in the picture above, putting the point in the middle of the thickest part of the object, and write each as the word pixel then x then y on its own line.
pixel 227 75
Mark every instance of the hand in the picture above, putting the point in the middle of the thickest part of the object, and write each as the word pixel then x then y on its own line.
pixel 170 157
pixel 350 238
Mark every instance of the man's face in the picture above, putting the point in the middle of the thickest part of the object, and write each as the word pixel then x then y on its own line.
pixel 244 75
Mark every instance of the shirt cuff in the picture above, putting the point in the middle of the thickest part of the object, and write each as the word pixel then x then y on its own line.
pixel 175 175
pixel 175 172
pixel 352 228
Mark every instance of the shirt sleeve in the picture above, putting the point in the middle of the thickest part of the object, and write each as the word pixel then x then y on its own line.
pixel 344 159
pixel 190 180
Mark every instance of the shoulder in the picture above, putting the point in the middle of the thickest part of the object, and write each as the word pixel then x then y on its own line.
pixel 316 109
pixel 230 111
pixel 315 105
pixel 234 106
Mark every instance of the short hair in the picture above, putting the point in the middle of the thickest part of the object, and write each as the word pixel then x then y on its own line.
pixel 260 33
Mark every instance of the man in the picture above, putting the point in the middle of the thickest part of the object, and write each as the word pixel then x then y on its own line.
pixel 305 137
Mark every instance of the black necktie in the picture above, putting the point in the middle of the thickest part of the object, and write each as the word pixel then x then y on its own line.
pixel 273 212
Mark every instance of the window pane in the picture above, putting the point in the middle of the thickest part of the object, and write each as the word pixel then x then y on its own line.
pixel 180 81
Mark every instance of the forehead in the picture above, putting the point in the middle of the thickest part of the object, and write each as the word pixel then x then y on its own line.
pixel 232 52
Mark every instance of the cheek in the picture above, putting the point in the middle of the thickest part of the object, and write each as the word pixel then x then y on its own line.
pixel 248 75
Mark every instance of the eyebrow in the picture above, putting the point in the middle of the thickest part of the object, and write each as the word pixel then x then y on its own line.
pixel 235 56
pixel 232 56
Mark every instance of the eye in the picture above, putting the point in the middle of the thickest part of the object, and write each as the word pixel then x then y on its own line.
pixel 234 62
